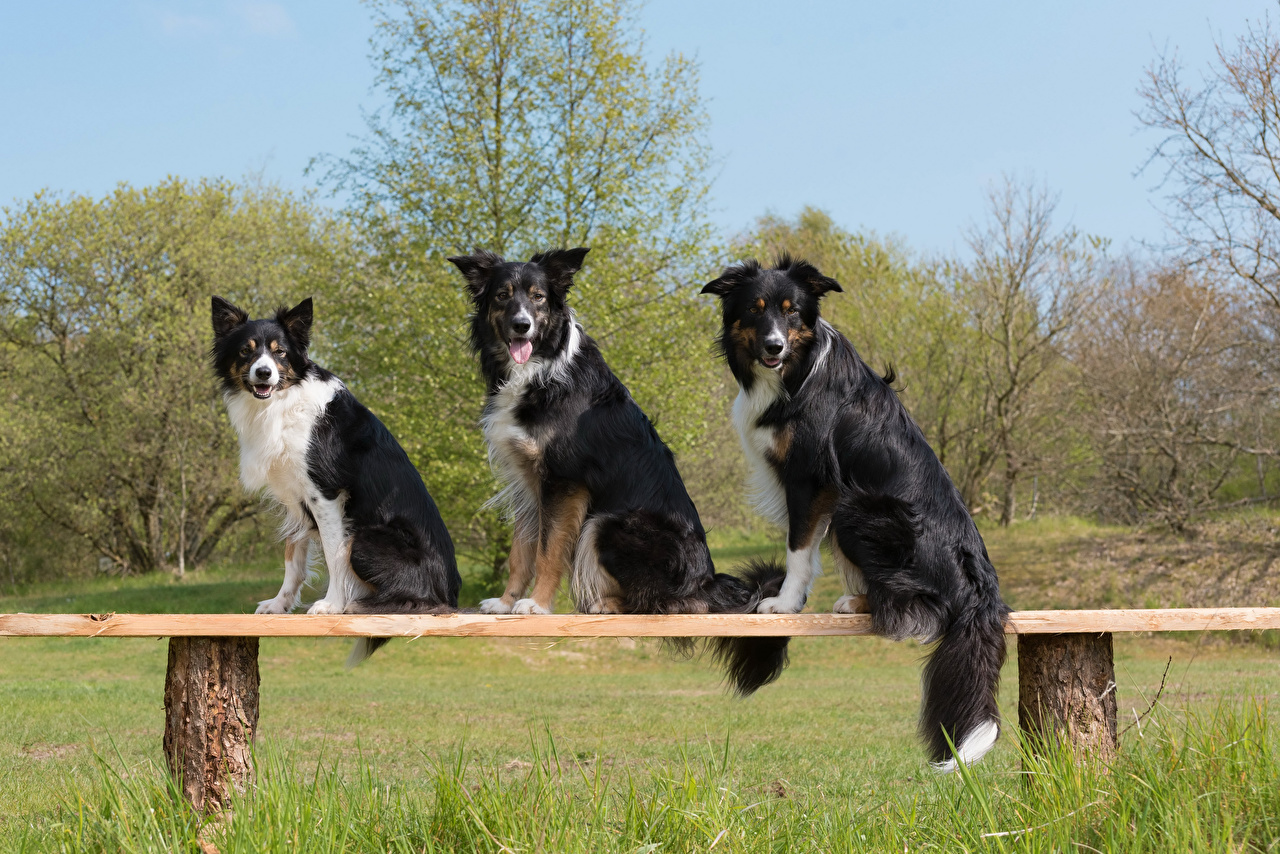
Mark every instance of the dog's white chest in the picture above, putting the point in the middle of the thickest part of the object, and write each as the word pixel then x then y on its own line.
pixel 275 436
pixel 763 487
pixel 512 452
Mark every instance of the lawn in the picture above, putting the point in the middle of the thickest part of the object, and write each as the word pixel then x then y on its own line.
pixel 834 737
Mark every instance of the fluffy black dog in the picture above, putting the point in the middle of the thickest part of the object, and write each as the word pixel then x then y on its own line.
pixel 585 476
pixel 830 445
pixel 342 479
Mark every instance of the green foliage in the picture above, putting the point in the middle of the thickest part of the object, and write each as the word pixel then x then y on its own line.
pixel 118 441
pixel 517 126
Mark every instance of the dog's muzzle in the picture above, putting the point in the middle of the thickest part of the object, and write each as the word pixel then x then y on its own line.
pixel 775 350
pixel 263 378
pixel 520 345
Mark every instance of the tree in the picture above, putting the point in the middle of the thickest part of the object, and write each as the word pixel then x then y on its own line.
pixel 1221 149
pixel 515 125
pixel 1168 370
pixel 118 438
pixel 1025 287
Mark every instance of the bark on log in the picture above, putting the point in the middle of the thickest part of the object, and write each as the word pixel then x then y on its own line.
pixel 211 713
pixel 1067 691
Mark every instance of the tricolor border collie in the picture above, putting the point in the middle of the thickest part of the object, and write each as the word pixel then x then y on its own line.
pixel 829 444
pixel 588 482
pixel 339 475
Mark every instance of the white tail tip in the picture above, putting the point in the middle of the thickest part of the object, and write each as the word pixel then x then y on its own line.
pixel 359 652
pixel 973 748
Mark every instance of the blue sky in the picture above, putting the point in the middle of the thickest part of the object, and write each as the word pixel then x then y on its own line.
pixel 892 116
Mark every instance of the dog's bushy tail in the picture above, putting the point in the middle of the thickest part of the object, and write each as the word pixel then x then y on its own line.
pixel 880 534
pixel 960 683
pixel 749 662
pixel 365 647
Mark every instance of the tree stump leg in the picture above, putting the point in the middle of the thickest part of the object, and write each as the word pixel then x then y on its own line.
pixel 1067 692
pixel 211 713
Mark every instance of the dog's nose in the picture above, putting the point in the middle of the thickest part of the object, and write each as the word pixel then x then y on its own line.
pixel 262 372
pixel 520 325
pixel 773 348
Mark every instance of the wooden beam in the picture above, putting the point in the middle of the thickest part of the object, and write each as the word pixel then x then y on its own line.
pixel 590 625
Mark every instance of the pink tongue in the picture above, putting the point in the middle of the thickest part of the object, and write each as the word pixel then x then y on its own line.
pixel 521 351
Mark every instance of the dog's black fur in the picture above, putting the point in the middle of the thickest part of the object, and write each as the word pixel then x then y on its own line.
pixel 586 475
pixel 844 445
pixel 358 479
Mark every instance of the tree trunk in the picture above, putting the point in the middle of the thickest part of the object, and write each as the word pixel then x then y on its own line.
pixel 1009 499
pixel 211 713
pixel 1067 692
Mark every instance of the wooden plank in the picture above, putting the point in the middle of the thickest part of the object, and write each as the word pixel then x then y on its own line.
pixel 590 625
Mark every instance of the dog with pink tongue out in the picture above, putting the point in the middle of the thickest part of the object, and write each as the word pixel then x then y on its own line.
pixel 590 486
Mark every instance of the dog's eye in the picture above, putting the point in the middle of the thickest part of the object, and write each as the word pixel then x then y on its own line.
pixel 502 296
pixel 793 310
pixel 246 350
pixel 755 309
pixel 537 297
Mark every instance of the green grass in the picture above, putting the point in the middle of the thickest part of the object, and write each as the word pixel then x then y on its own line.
pixel 454 744
pixel 1187 783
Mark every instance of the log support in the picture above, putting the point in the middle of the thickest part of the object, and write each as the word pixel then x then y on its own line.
pixel 1067 692
pixel 211 713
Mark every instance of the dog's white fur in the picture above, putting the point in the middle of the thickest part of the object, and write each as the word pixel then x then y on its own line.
pixel 972 748
pixel 274 437
pixel 509 443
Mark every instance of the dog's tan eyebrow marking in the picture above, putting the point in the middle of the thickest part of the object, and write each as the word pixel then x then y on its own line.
pixel 252 343
pixel 786 305
pixel 760 302
pixel 275 346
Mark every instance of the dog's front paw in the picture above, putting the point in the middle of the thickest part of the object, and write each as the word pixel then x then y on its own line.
pixel 608 605
pixel 528 606
pixel 778 605
pixel 494 606
pixel 274 606
pixel 854 604
pixel 324 606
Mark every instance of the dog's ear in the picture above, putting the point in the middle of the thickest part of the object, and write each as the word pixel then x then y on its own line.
pixel 226 317
pixel 731 277
pixel 808 275
pixel 297 323
pixel 476 269
pixel 560 265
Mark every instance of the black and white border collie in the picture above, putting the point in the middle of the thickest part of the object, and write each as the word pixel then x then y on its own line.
pixel 342 480
pixel 588 482
pixel 829 445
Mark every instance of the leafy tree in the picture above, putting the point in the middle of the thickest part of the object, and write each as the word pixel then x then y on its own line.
pixel 118 438
pixel 516 125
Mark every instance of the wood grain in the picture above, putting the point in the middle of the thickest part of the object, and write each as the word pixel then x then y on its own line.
pixel 590 625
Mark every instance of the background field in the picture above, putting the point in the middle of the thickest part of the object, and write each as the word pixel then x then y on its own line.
pixel 838 727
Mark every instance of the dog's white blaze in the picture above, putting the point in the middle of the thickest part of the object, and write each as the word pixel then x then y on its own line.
pixel 589 582
pixel 973 748
pixel 763 487
pixel 508 441
pixel 270 363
